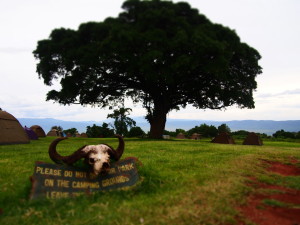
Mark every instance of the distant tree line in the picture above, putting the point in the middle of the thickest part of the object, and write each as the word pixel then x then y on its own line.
pixel 285 134
pixel 105 131
pixel 204 129
pixel 126 127
pixel 121 124
pixel 210 131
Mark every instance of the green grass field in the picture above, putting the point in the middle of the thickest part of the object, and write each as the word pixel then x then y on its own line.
pixel 182 182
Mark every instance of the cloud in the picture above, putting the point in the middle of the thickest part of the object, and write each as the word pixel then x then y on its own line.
pixel 13 50
pixel 280 94
pixel 291 92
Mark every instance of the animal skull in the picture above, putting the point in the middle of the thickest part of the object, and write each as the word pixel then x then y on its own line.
pixel 97 156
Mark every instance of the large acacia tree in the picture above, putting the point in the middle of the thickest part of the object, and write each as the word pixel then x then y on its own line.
pixel 159 53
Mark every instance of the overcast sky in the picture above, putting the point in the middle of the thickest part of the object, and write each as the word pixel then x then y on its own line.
pixel 270 26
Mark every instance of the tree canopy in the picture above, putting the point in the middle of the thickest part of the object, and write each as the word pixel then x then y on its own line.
pixel 136 132
pixel 285 134
pixel 121 120
pixel 162 54
pixel 224 128
pixel 58 128
pixel 99 131
pixel 73 131
pixel 205 130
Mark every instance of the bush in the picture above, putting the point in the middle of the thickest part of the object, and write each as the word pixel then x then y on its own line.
pixel 99 131
pixel 72 131
pixel 204 130
pixel 224 128
pixel 136 132
pixel 284 134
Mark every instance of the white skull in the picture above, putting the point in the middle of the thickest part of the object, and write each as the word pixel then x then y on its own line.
pixel 97 157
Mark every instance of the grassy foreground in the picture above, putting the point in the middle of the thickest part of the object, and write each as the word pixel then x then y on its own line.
pixel 182 182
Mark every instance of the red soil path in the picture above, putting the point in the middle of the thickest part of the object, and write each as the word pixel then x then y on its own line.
pixel 259 213
pixel 283 169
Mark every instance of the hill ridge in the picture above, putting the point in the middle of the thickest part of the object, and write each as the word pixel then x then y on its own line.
pixel 260 126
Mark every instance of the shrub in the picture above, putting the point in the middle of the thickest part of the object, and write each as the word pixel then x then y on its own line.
pixel 136 132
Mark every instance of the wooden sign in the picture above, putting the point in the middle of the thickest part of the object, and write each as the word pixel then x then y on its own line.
pixel 60 181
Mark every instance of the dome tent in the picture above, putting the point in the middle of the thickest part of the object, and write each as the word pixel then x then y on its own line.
pixel 38 130
pixel 11 131
pixel 253 139
pixel 180 136
pixel 31 134
pixel 54 133
pixel 223 138
pixel 196 136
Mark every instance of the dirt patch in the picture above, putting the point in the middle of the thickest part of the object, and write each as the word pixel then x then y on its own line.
pixel 269 215
pixel 292 197
pixel 256 184
pixel 281 207
pixel 284 169
pixel 258 211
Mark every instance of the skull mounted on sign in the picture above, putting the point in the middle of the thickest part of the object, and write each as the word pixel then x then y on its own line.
pixel 97 156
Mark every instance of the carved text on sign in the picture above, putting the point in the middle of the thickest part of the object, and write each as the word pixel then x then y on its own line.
pixel 57 181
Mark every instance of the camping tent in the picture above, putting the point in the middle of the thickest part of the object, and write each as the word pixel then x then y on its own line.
pixel 180 136
pixel 11 131
pixel 253 139
pixel 223 138
pixel 30 133
pixel 54 133
pixel 38 130
pixel 196 136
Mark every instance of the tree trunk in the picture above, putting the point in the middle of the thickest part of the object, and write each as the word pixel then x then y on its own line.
pixel 157 124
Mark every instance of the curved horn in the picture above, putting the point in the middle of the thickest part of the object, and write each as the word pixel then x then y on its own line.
pixel 116 154
pixel 57 158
